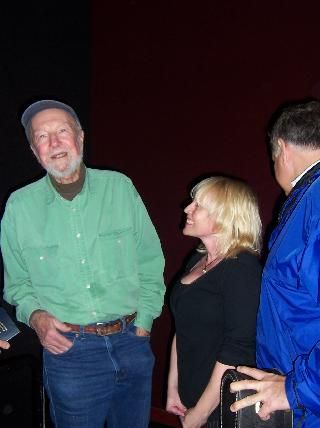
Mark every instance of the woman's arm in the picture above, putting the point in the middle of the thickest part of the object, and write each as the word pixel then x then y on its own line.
pixel 174 404
pixel 209 400
pixel 240 292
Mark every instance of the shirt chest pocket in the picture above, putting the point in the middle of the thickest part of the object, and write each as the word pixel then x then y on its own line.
pixel 42 263
pixel 117 254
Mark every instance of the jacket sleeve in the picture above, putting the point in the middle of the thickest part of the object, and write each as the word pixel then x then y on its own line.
pixel 150 263
pixel 303 383
pixel 18 289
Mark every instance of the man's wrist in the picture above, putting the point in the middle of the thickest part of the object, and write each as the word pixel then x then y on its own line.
pixel 144 321
pixel 140 331
pixel 34 315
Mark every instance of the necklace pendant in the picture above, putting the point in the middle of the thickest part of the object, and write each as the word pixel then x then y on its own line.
pixel 204 270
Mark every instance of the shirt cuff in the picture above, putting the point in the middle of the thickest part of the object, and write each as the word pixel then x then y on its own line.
pixel 25 311
pixel 145 321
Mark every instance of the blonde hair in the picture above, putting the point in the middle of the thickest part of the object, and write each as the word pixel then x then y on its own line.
pixel 234 206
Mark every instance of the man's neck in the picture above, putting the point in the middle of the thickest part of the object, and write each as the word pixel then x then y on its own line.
pixel 71 178
pixel 71 189
pixel 295 181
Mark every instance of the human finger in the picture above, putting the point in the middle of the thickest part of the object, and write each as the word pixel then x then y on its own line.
pixel 61 326
pixel 264 417
pixel 242 385
pixel 249 400
pixel 57 340
pixel 251 371
pixel 176 408
pixel 57 348
pixel 177 411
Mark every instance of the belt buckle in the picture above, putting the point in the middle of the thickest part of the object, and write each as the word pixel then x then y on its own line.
pixel 99 329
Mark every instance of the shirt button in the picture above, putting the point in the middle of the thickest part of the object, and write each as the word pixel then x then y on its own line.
pixel 74 209
pixel 78 235
pixel 119 241
pixel 88 286
pixel 94 313
pixel 41 258
pixel 83 261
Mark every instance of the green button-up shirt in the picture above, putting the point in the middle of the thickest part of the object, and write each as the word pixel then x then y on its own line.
pixel 92 259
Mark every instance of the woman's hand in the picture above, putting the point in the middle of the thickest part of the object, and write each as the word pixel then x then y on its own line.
pixel 193 419
pixel 174 404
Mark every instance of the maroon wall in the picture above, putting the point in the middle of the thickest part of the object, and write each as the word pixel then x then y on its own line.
pixel 182 89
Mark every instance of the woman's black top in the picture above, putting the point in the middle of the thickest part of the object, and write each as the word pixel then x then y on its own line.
pixel 215 318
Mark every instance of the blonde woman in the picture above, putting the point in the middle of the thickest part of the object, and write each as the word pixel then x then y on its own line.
pixel 215 302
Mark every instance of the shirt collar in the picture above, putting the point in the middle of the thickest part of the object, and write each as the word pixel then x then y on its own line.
pixel 295 181
pixel 52 193
pixel 71 190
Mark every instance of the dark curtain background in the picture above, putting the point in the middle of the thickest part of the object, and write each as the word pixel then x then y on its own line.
pixel 182 89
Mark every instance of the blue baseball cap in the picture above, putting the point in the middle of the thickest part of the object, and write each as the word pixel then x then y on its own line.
pixel 38 106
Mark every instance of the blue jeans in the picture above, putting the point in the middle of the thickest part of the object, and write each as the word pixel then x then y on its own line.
pixel 100 379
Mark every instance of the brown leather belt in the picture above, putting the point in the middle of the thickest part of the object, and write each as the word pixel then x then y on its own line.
pixel 101 328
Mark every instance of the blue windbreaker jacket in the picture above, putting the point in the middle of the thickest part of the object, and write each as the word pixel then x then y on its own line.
pixel 288 326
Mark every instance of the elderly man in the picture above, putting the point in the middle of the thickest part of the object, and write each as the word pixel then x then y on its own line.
pixel 288 327
pixel 84 266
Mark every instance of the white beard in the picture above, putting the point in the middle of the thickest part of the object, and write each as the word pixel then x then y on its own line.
pixel 71 169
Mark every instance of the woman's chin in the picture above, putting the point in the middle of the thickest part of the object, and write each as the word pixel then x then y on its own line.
pixel 187 231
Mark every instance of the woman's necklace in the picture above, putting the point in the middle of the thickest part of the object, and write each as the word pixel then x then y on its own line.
pixel 206 265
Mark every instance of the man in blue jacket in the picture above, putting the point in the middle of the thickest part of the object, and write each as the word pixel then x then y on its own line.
pixel 288 325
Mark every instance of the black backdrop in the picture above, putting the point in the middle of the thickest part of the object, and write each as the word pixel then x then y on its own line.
pixel 45 52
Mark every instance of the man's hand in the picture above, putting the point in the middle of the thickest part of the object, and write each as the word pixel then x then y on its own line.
pixel 142 332
pixel 47 328
pixel 4 344
pixel 270 392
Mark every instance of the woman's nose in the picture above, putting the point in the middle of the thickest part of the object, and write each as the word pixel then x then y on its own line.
pixel 189 208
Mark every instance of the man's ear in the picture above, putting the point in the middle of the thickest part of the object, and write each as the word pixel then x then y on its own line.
pixel 280 144
pixel 284 150
pixel 81 137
